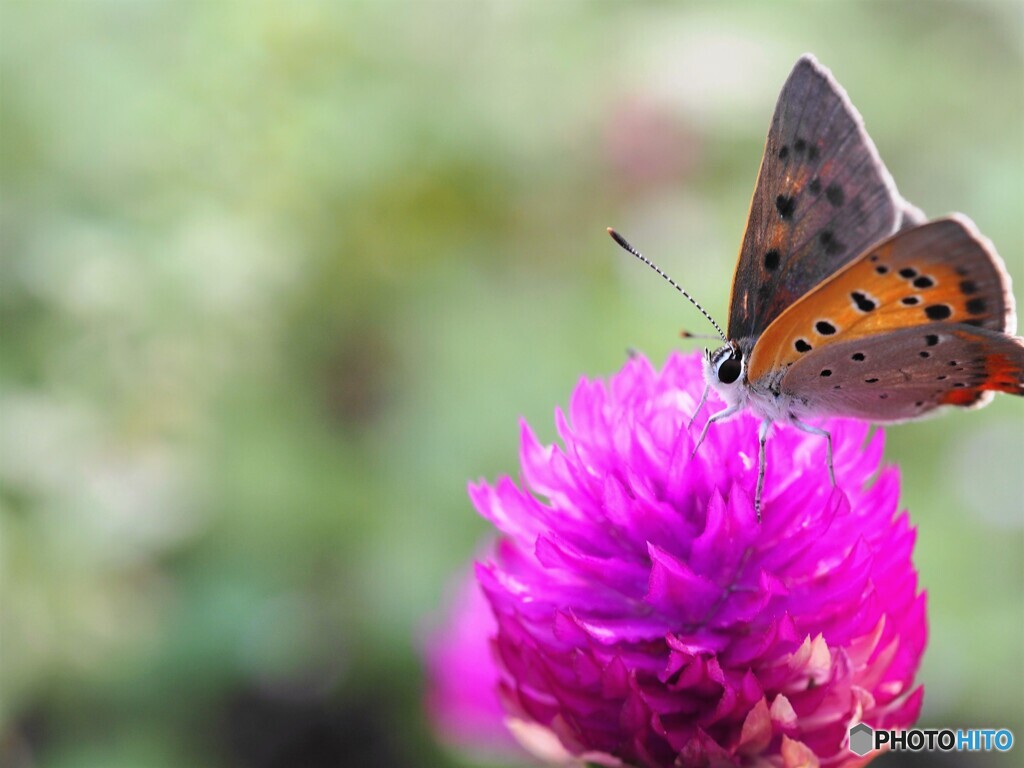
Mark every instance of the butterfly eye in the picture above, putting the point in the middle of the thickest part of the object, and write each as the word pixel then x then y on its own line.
pixel 729 370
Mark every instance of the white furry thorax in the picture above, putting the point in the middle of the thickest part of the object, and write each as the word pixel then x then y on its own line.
pixel 764 399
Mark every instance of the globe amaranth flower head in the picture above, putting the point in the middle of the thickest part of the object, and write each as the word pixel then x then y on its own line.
pixel 462 694
pixel 645 618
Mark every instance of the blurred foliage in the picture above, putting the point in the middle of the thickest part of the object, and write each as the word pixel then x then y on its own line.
pixel 276 279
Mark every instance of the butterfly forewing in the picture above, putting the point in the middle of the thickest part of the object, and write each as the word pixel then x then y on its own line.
pixel 943 271
pixel 910 216
pixel 822 197
pixel 906 373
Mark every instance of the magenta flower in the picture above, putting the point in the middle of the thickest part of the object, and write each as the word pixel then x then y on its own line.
pixel 644 616
pixel 462 679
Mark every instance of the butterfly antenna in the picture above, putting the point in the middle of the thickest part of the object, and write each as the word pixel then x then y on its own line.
pixel 624 244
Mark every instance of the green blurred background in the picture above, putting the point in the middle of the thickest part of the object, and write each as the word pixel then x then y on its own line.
pixel 276 279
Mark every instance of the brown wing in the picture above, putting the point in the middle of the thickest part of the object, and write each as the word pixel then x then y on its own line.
pixel 822 197
pixel 944 271
pixel 906 373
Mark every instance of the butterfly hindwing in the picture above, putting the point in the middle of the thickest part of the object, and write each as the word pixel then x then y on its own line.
pixel 907 373
pixel 822 197
pixel 943 271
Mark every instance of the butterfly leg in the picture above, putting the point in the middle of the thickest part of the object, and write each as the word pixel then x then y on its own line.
pixel 722 414
pixel 828 444
pixel 762 438
pixel 703 399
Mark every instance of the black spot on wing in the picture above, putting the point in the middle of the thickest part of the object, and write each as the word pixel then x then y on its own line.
pixel 785 205
pixel 863 302
pixel 938 311
pixel 835 195
pixel 771 260
pixel 829 243
pixel 802 346
pixel 824 327
pixel 977 306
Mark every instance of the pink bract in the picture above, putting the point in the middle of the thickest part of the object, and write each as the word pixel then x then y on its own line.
pixel 643 614
pixel 462 693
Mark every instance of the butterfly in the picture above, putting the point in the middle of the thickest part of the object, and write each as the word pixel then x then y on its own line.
pixel 846 301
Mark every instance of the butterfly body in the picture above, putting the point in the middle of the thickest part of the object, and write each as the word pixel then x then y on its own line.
pixel 845 300
pixel 765 398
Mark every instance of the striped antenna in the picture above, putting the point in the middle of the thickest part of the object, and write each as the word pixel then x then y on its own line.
pixel 626 246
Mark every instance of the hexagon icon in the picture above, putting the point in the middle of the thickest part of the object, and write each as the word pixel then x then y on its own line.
pixel 861 739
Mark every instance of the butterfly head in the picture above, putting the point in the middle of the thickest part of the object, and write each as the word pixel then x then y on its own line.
pixel 725 363
pixel 725 371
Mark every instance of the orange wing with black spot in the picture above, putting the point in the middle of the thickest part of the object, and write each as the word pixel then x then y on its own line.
pixel 822 198
pixel 942 272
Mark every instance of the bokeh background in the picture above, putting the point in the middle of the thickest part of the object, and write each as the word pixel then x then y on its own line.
pixel 277 279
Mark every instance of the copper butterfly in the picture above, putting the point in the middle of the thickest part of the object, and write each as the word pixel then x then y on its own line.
pixel 845 300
